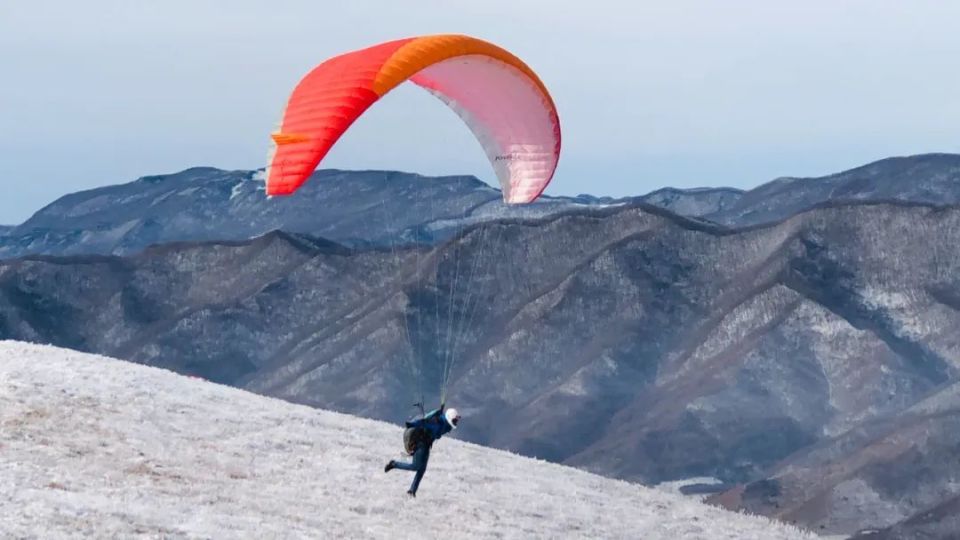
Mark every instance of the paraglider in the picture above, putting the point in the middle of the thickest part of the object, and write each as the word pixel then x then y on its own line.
pixel 502 101
pixel 500 98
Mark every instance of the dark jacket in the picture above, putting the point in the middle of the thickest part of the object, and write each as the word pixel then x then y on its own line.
pixel 426 430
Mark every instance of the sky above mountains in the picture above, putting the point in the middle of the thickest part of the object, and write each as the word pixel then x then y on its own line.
pixel 686 93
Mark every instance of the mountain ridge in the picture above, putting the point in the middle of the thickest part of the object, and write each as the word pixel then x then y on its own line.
pixel 373 207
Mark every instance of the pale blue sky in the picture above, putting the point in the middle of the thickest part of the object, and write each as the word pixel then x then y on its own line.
pixel 650 94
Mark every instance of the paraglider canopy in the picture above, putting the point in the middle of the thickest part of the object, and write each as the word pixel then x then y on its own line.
pixel 500 98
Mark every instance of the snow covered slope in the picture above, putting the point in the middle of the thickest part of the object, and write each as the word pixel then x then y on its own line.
pixel 95 446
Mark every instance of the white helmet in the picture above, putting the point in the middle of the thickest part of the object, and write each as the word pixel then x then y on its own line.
pixel 452 416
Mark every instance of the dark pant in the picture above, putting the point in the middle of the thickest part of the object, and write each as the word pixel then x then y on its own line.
pixel 420 457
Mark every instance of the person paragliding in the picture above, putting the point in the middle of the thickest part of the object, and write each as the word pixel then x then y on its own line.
pixel 498 96
pixel 418 439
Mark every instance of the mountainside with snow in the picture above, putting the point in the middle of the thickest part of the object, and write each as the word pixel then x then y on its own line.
pixel 627 341
pixel 352 207
pixel 96 447
pixel 381 207
pixel 203 203
pixel 941 521
pixel 926 178
pixel 694 202
pixel 899 473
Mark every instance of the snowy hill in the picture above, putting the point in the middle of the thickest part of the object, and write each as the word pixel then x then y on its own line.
pixel 99 447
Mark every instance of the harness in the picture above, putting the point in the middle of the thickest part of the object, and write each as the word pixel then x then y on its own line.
pixel 413 437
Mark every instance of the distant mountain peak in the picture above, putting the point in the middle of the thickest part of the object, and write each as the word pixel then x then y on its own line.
pixel 925 178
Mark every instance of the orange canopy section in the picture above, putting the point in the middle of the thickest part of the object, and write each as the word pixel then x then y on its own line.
pixel 499 97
